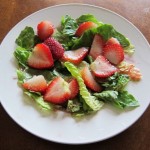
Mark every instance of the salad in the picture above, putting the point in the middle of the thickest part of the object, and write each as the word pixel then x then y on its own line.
pixel 76 67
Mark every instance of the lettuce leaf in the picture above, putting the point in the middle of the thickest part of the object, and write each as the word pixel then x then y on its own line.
pixel 21 54
pixel 107 31
pixel 88 17
pixel 38 98
pixel 26 38
pixel 90 100
pixel 120 99
pixel 85 40
pixel 125 99
pixel 22 76
pixel 116 82
pixel 73 106
pixel 66 31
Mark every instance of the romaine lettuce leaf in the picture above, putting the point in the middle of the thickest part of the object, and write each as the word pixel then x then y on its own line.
pixel 120 99
pixel 73 106
pixel 107 31
pixel 26 38
pixel 90 100
pixel 116 82
pixel 38 98
pixel 129 49
pixel 66 31
pixel 22 76
pixel 85 40
pixel 22 54
pixel 125 99
pixel 68 25
pixel 88 17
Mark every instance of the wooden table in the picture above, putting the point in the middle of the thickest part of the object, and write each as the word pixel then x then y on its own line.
pixel 13 137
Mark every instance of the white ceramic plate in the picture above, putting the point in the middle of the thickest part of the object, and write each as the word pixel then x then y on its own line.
pixel 60 127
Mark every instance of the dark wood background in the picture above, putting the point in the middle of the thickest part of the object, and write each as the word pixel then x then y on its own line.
pixel 13 137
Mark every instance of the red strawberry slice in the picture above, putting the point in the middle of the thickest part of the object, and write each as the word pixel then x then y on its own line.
pixel 58 91
pixel 97 46
pixel 56 48
pixel 36 84
pixel 45 29
pixel 112 40
pixel 75 56
pixel 114 53
pixel 89 80
pixel 41 57
pixel 102 68
pixel 85 26
pixel 74 88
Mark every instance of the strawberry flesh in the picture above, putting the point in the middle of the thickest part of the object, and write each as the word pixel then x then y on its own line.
pixel 84 26
pixel 89 80
pixel 58 91
pixel 74 88
pixel 112 40
pixel 41 57
pixel 97 46
pixel 102 68
pixel 56 48
pixel 45 29
pixel 36 84
pixel 114 53
pixel 75 56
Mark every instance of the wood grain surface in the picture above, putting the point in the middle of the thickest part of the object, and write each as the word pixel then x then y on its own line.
pixel 13 137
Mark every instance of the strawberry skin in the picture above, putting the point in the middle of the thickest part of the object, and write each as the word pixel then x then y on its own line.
pixel 89 80
pixel 74 88
pixel 102 68
pixel 36 84
pixel 85 26
pixel 56 48
pixel 75 56
pixel 112 40
pixel 97 46
pixel 58 91
pixel 41 57
pixel 114 53
pixel 45 29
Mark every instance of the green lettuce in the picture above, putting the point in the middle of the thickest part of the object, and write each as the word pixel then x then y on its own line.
pixel 88 17
pixel 21 54
pixel 26 38
pixel 116 82
pixel 90 100
pixel 85 40
pixel 107 31
pixel 38 98
pixel 120 99
pixel 66 31
pixel 22 76
pixel 73 106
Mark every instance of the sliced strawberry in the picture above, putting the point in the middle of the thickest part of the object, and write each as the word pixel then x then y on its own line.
pixel 58 91
pixel 56 48
pixel 85 26
pixel 102 68
pixel 36 84
pixel 89 80
pixel 75 56
pixel 97 46
pixel 41 57
pixel 45 29
pixel 112 40
pixel 74 88
pixel 114 53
